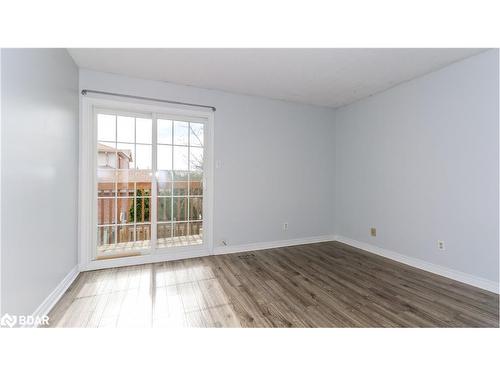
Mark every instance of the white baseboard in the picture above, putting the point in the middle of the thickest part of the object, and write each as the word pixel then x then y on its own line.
pixel 56 294
pixel 270 245
pixel 463 277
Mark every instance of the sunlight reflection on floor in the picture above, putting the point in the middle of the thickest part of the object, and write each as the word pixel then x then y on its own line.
pixel 170 294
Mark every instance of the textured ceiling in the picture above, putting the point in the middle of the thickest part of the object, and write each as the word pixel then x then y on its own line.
pixel 326 77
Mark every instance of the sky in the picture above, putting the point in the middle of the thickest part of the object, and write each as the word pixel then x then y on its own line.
pixel 179 143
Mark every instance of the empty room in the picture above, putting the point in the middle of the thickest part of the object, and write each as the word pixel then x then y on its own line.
pixel 264 187
pixel 172 188
pixel 249 187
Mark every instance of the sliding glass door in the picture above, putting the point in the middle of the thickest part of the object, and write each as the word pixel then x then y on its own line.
pixel 150 182
pixel 179 149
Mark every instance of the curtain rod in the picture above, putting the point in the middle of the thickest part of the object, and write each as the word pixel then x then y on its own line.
pixel 85 92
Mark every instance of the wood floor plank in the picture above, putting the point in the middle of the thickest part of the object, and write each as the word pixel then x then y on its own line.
pixel 317 285
pixel 223 316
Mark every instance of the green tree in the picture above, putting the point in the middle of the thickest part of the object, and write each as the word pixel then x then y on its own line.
pixel 139 203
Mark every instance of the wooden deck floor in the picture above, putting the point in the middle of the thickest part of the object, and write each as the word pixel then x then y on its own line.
pixel 326 284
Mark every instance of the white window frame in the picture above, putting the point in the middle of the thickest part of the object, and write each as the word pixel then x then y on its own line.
pixel 87 233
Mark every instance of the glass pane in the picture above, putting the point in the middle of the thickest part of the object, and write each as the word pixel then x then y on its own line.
pixel 180 230
pixel 195 208
pixel 106 211
pixel 143 157
pixel 106 182
pixel 142 180
pixel 125 155
pixel 180 208
pixel 164 209
pixel 126 183
pixel 125 129
pixel 180 183
pixel 195 159
pixel 164 183
pixel 181 133
pixel 180 158
pixel 142 211
pixel 144 130
pixel 143 235
pixel 105 237
pixel 124 175
pixel 106 155
pixel 125 236
pixel 195 233
pixel 106 127
pixel 164 231
pixel 196 135
pixel 164 157
pixel 125 210
pixel 196 230
pixel 196 183
pixel 164 131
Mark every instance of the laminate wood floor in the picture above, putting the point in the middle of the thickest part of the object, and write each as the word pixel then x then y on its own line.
pixel 325 284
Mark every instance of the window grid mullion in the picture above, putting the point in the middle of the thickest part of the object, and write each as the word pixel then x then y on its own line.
pixel 153 203
pixel 173 185
pixel 135 183
pixel 189 177
pixel 116 182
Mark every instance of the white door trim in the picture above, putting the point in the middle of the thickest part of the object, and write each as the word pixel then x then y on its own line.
pixel 87 213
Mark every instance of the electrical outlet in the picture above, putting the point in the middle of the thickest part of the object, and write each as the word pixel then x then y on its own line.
pixel 373 232
pixel 285 226
pixel 441 245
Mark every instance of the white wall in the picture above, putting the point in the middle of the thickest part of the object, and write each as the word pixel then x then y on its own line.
pixel 276 160
pixel 39 174
pixel 420 163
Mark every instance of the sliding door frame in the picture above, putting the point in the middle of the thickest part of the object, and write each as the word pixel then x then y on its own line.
pixel 87 201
